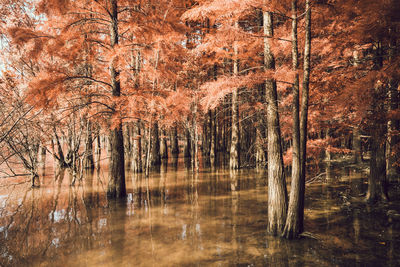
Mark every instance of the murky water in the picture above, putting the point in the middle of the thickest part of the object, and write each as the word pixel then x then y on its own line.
pixel 177 218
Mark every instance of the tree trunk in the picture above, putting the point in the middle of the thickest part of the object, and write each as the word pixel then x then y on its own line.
pixel 89 161
pixel 174 142
pixel 213 134
pixel 116 184
pixel 187 148
pixel 164 146
pixel 137 149
pixel 155 146
pixel 234 158
pixel 377 184
pixel 127 139
pixel 392 126
pixel 294 220
pixel 195 155
pixel 357 145
pixel 277 192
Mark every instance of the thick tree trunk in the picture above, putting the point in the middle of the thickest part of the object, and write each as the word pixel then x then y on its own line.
pixel 187 148
pixel 116 184
pixel 277 192
pixel 127 139
pixel 294 220
pixel 377 184
pixel 164 146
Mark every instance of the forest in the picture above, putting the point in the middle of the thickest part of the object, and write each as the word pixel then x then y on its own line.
pixel 208 132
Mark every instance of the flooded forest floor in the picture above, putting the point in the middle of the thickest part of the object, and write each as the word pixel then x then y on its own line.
pixel 179 218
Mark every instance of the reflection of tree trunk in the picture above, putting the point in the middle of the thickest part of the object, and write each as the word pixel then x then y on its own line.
pixel 117 220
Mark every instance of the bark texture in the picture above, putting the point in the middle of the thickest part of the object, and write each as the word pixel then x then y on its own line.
pixel 294 220
pixel 116 183
pixel 234 159
pixel 277 193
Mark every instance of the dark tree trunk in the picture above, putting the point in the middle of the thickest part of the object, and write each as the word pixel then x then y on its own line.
pixel 164 146
pixel 116 185
pixel 174 143
pixel 187 148
pixel 377 184
pixel 155 146
pixel 357 145
pixel 294 220
pixel 277 192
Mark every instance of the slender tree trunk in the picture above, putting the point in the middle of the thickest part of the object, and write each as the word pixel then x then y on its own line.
pixel 304 109
pixel 116 183
pixel 213 134
pixel 234 159
pixel 195 154
pixel 277 192
pixel 89 161
pixel 294 220
pixel 392 127
pixel 137 149
pixel 187 148
pixel 357 145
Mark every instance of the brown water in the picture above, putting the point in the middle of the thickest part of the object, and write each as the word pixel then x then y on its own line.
pixel 177 218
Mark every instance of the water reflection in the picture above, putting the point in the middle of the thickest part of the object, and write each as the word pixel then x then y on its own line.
pixel 178 217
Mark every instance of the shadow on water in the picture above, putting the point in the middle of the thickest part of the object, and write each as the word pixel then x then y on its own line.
pixel 176 217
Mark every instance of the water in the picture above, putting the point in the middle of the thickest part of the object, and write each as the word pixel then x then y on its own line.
pixel 177 218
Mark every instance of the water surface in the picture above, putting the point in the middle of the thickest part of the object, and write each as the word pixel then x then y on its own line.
pixel 178 218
